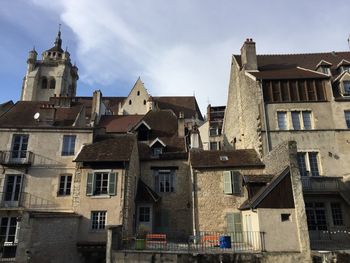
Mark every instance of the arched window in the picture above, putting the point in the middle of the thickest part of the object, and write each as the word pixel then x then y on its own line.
pixel 52 84
pixel 43 82
pixel 129 102
pixel 144 102
pixel 138 93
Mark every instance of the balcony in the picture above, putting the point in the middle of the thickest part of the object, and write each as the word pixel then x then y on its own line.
pixel 12 200
pixel 321 184
pixel 16 158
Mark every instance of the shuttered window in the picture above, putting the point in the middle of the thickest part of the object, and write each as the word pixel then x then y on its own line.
pixel 100 183
pixel 232 182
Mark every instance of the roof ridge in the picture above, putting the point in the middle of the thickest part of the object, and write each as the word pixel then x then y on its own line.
pixel 307 53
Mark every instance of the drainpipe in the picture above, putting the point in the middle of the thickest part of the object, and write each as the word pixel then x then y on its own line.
pixel 268 141
pixel 194 216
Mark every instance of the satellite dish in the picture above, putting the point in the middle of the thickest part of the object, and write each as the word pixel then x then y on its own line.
pixel 36 116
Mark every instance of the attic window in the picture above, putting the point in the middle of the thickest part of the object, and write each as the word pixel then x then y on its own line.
pixel 346 85
pixel 138 93
pixel 129 102
pixel 223 158
pixel 285 217
pixel 325 70
pixel 156 151
pixel 144 102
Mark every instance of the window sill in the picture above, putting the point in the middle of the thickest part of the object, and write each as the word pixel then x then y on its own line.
pixel 100 196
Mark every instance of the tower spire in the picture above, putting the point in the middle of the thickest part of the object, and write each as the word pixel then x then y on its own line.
pixel 58 41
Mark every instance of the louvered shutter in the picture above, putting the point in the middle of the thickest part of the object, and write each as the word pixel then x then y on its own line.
pixel 236 182
pixel 237 222
pixel 112 187
pixel 227 182
pixel 89 184
pixel 230 221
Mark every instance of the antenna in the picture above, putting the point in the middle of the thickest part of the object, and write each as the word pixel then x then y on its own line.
pixel 349 42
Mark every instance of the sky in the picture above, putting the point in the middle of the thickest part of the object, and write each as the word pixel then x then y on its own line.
pixel 178 47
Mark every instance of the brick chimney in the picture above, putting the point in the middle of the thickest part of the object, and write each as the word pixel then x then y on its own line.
pixel 248 55
pixel 47 113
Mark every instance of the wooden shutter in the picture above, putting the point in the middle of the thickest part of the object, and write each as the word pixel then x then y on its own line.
pixel 112 186
pixel 227 182
pixel 237 222
pixel 89 184
pixel 236 182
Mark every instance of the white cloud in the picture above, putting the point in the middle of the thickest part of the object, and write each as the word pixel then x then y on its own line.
pixel 183 47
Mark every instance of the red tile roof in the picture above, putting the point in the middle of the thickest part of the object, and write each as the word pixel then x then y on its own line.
pixel 119 123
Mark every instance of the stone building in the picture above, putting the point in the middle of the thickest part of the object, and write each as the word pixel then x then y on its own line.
pixel 211 129
pixel 301 97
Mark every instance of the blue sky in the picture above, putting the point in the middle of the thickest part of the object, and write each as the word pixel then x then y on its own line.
pixel 181 47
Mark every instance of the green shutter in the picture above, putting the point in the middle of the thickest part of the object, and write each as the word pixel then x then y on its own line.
pixel 227 182
pixel 230 221
pixel 112 187
pixel 236 182
pixel 237 222
pixel 89 184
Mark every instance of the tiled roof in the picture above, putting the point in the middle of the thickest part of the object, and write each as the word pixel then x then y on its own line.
pixel 115 149
pixel 119 123
pixel 258 178
pixel 308 61
pixel 261 194
pixel 22 115
pixel 5 106
pixel 187 105
pixel 224 159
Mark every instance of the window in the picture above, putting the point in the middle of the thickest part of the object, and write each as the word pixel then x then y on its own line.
pixel 347 119
pixel 213 131
pixel 325 70
pixel 65 185
pixel 308 163
pixel 144 214
pixel 232 182
pixel 101 183
pixel 9 236
pixel 98 220
pixel 316 216
pixel 130 102
pixel 346 87
pixel 164 181
pixel 44 83
pixel 138 93
pixel 156 151
pixel 337 214
pixel 296 120
pixel 19 146
pixel 214 145
pixel 52 84
pixel 282 120
pixel 307 120
pixel 68 145
pixel 285 217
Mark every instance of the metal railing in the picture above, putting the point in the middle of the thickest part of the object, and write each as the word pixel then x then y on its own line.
pixel 333 239
pixel 321 183
pixel 24 200
pixel 16 157
pixel 203 242
pixel 8 251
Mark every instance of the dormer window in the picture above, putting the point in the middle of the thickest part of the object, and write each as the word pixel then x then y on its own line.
pixel 157 151
pixel 143 131
pixel 223 158
pixel 345 68
pixel 346 86
pixel 325 70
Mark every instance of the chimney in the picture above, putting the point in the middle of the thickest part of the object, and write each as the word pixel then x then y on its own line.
pixel 248 55
pixel 195 137
pixel 181 125
pixel 150 104
pixel 96 106
pixel 47 113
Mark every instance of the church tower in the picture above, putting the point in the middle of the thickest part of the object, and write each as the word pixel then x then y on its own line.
pixel 53 75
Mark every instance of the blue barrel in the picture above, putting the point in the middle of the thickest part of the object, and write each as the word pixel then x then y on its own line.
pixel 225 241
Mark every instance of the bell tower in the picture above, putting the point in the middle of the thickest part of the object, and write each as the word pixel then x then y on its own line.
pixel 52 76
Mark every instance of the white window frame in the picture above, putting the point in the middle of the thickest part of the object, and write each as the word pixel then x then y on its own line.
pixel 6 241
pixel 289 119
pixel 91 187
pixel 307 162
pixel 286 120
pixel 344 91
pixel 71 144
pixel 231 178
pixel 101 222
pixel 164 176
